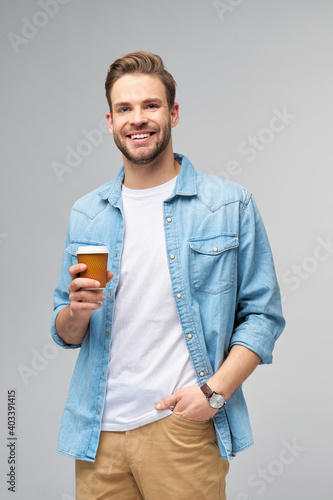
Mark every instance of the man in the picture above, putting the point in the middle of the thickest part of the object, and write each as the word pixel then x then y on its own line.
pixel 155 408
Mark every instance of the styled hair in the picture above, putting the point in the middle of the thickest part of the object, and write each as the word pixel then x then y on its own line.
pixel 140 62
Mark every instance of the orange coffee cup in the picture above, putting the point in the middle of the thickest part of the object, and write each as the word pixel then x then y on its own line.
pixel 96 259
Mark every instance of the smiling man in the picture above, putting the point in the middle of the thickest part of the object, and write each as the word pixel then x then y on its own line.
pixel 155 409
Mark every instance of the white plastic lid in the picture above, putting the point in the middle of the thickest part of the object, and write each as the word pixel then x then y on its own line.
pixel 92 249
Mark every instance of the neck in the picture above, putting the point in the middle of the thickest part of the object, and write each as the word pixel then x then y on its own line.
pixel 161 170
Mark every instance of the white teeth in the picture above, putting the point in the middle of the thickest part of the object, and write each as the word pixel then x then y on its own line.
pixel 140 136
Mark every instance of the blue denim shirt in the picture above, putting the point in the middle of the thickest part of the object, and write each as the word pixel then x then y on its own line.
pixel 224 285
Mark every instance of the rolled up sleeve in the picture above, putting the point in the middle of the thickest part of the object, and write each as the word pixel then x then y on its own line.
pixel 259 320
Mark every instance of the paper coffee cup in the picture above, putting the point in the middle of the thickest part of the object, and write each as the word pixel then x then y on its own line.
pixel 96 259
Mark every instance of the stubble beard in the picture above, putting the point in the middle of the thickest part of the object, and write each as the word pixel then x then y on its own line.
pixel 145 159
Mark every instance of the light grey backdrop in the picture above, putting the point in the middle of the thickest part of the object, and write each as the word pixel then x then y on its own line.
pixel 255 82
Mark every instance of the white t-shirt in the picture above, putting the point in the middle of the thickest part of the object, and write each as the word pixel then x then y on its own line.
pixel 149 359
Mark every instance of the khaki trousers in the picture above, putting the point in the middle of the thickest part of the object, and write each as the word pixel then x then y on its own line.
pixel 170 459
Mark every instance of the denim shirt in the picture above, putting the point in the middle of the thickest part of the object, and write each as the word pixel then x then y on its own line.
pixel 223 282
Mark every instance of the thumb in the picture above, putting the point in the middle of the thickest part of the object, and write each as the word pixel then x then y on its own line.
pixel 109 276
pixel 167 402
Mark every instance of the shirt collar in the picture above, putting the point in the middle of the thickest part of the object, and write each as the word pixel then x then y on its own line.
pixel 185 185
pixel 186 180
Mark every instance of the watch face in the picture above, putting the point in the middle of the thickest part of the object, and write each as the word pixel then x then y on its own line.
pixel 216 401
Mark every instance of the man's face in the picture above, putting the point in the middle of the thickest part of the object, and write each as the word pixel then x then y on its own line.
pixel 141 120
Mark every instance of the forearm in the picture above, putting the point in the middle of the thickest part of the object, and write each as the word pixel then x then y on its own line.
pixel 239 364
pixel 72 328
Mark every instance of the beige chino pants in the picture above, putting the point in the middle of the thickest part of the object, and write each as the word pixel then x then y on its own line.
pixel 170 459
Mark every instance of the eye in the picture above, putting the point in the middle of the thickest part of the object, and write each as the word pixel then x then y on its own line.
pixel 152 106
pixel 123 110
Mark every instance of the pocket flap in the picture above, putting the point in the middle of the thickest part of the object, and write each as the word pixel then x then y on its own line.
pixel 214 245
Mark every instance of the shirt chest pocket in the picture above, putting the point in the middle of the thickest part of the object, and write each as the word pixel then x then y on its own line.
pixel 213 262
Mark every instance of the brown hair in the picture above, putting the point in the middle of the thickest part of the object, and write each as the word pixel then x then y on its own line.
pixel 140 62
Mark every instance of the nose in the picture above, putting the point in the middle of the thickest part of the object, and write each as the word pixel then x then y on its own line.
pixel 138 117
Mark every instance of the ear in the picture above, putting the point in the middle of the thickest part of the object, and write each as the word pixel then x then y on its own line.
pixel 174 114
pixel 110 121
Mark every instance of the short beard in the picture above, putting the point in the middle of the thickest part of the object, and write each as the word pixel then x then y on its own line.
pixel 160 147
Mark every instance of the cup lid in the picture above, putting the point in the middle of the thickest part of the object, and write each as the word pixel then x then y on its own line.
pixel 92 249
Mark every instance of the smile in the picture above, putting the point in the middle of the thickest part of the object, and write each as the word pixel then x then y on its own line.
pixel 145 135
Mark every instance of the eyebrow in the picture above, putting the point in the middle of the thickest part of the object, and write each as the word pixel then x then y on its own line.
pixel 125 104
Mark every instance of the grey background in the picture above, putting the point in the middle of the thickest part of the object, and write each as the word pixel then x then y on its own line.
pixel 233 69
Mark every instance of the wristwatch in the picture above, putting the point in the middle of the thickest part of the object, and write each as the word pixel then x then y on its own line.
pixel 214 399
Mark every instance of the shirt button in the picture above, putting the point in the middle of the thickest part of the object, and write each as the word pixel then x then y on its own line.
pixel 202 374
pixel 116 255
pixel 107 334
pixel 172 256
pixel 110 293
pixel 179 295
pixel 103 373
pixel 169 219
pixel 189 336
pixel 98 412
pixel 215 249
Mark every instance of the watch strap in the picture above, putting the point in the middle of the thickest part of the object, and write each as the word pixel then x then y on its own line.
pixel 208 392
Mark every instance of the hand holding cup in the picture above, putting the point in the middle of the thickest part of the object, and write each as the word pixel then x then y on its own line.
pixel 89 278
